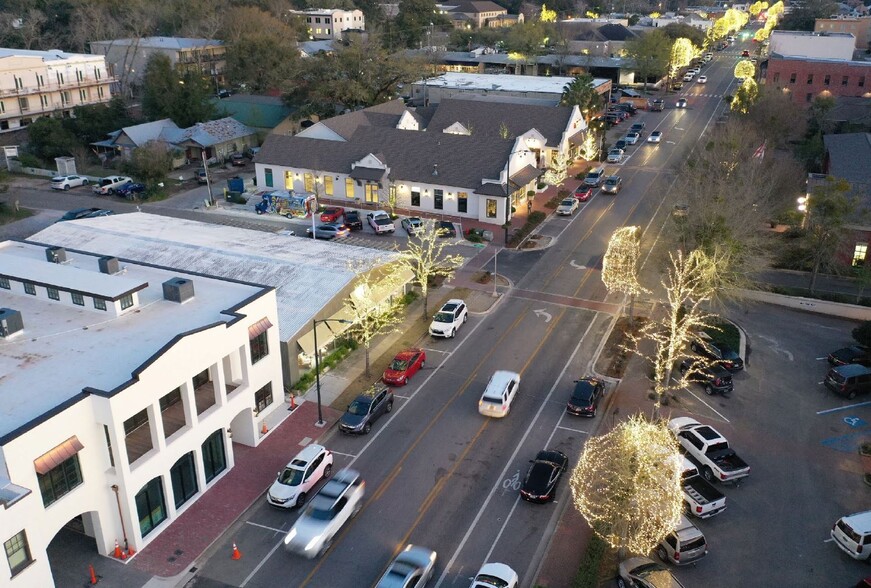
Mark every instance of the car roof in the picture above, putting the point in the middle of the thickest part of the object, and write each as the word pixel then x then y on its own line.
pixel 551 455
pixel 860 521
pixel 853 369
pixel 306 455
pixel 407 353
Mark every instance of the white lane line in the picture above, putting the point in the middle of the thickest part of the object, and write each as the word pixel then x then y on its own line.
pixel 282 531
pixel 260 564
pixel 843 407
pixel 511 459
pixel 428 350
pixel 505 524
pixel 573 430
pixel 828 540
pixel 342 454
pixel 401 397
pixel 699 398
pixel 821 358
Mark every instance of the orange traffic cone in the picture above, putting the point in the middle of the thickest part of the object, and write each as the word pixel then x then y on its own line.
pixel 130 552
pixel 93 574
pixel 118 553
pixel 264 429
pixel 236 553
pixel 292 402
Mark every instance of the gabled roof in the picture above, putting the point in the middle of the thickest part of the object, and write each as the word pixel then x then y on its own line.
pixel 380 115
pixel 852 109
pixel 214 132
pixel 616 32
pixel 412 156
pixel 477 6
pixel 265 112
pixel 150 131
pixel 313 47
pixel 485 119
pixel 849 157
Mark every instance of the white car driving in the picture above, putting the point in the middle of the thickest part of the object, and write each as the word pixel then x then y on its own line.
pixel 655 137
pixel 337 502
pixel 449 319
pixel 500 392
pixel 703 79
pixel 412 568
pixel 567 207
pixel 296 481
pixel 615 156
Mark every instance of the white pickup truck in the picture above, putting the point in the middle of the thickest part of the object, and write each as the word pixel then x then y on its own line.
pixel 110 184
pixel 709 450
pixel 701 499
pixel 380 221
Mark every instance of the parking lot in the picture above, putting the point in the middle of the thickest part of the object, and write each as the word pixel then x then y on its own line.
pixel 801 443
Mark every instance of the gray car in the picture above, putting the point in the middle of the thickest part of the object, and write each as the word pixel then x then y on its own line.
pixel 646 573
pixel 413 567
pixel 365 410
pixel 411 224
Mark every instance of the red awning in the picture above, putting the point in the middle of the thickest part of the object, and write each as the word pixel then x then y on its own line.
pixel 48 461
pixel 259 328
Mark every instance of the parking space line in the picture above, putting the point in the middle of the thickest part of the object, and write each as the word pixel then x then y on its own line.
pixel 693 394
pixel 843 407
pixel 351 455
pixel 573 430
pixel 401 397
pixel 282 531
pixel 428 350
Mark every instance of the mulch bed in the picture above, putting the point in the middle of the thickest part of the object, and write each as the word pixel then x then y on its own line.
pixel 615 352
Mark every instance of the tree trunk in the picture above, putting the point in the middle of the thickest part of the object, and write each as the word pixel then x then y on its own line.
pixel 425 304
pixel 366 354
pixel 814 273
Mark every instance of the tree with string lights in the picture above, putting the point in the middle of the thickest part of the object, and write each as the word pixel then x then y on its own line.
pixel 627 485
pixel 620 264
pixel 424 255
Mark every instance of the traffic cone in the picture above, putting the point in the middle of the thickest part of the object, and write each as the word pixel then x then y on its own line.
pixel 292 402
pixel 93 574
pixel 264 429
pixel 130 552
pixel 236 553
pixel 118 553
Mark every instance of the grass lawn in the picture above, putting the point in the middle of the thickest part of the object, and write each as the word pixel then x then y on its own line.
pixel 8 214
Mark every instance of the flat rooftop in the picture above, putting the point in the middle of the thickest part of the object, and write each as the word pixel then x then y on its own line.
pixel 306 274
pixel 505 82
pixel 64 349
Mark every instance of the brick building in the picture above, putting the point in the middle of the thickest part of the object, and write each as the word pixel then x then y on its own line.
pixel 805 79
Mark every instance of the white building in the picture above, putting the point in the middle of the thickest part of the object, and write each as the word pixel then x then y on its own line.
pixel 331 23
pixel 48 83
pixel 120 383
pixel 812 45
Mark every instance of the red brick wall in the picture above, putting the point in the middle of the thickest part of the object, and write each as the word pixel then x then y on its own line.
pixel 779 74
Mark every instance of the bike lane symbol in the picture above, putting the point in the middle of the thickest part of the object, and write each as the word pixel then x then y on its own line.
pixel 512 483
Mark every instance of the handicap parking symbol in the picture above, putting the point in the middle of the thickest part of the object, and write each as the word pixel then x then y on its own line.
pixel 855 422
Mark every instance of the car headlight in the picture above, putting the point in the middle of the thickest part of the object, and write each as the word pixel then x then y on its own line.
pixel 290 536
pixel 311 544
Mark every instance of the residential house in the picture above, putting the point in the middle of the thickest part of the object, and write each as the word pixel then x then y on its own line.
pixel 593 38
pixel 848 157
pixel 121 384
pixel 129 57
pixel 49 83
pixel 461 159
pixel 805 78
pixel 849 115
pixel 312 48
pixel 331 23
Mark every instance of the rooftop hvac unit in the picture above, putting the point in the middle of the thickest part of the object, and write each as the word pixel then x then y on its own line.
pixel 109 265
pixel 178 290
pixel 56 254
pixel 10 322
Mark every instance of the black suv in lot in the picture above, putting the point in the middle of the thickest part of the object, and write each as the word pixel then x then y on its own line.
pixel 352 220
pixel 725 356
pixel 714 378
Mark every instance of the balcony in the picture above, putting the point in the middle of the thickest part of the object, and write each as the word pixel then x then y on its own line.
pixel 47 88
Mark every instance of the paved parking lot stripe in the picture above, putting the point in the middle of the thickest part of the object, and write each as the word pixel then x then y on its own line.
pixel 351 455
pixel 428 350
pixel 843 407
pixel 282 531
pixel 401 397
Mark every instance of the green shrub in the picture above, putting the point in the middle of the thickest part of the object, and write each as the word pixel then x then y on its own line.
pixel 588 573
pixel 724 333
pixel 532 221
pixel 474 238
pixel 29 160
pixel 344 346
pixel 409 297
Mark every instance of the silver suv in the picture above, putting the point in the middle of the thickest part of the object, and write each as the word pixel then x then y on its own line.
pixel 686 544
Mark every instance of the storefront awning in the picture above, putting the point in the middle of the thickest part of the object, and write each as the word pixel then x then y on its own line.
pixel 259 328
pixel 367 173
pixel 327 332
pixel 48 461
pixel 578 138
pixel 526 175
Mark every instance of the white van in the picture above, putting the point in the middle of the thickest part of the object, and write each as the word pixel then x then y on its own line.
pixel 852 534
pixel 499 394
pixel 595 177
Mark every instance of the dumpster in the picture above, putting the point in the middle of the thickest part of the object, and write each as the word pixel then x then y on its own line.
pixel 236 184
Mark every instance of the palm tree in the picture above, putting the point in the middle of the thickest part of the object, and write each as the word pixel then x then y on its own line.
pixel 580 92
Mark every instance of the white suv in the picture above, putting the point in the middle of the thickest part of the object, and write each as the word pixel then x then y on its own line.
pixel 299 477
pixel 110 184
pixel 337 502
pixel 500 393
pixel 446 321
pixel 380 221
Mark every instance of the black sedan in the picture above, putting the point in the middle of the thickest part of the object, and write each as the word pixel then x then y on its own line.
pixel 130 190
pixel 848 355
pixel 544 474
pixel 585 397
pixel 446 229
pixel 713 377
pixel 720 353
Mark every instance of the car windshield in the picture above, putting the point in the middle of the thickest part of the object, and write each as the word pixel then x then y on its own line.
pixel 400 365
pixel 359 407
pixel 291 477
pixel 611 181
pixel 444 317
pixel 488 580
pixel 320 514
pixel 729 354
pixel 568 202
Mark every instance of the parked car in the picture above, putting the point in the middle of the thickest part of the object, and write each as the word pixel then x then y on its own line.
pixel 621 144
pixel 632 138
pixel 446 229
pixel 300 476
pixel 67 182
pixel 595 176
pixel 411 224
pixel 380 221
pixel 543 475
pixel 715 379
pixel 412 568
pixel 567 206
pixel 109 184
pixel 701 500
pixel 202 176
pixel 612 185
pixel 688 77
pixel 722 354
pixel 849 380
pixel 643 572
pixel 627 107
pixel 449 319
pixel 335 504
pixel 615 156
pixel 366 409
pixel 500 392
pixel 852 354
pixel 709 449
pixel 130 190
pixel 404 365
pixel 82 213
pixel 352 220
pixel 100 212
pixel 495 575
pixel 852 535
pixel 681 103
pixel 237 159
pixel 332 214
pixel 585 397
pixel 328 231
pixel 583 193
pixel 655 137
pixel 657 105
pixel 637 127
pixel 685 545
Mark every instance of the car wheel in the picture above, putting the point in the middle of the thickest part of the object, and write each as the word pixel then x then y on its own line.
pixel 111 191
pixel 300 500
pixel 357 508
pixel 851 396
pixel 621 583
pixel 85 182
pixel 453 333
pixel 682 369
pixel 403 383
pixel 327 471
pixel 694 347
pixel 325 546
pixel 366 428
pixel 288 215
pixel 389 406
pixel 708 474
pixel 465 318
pixel 422 364
pixel 660 552
pixel 708 390
pixel 66 187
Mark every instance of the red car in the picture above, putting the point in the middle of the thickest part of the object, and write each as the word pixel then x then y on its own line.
pixel 332 215
pixel 404 365
pixel 583 193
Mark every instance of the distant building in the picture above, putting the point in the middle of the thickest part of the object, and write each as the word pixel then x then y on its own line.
pixel 49 83
pixel 128 57
pixel 859 27
pixel 812 45
pixel 477 14
pixel 806 78
pixel 263 113
pixel 848 157
pixel 331 23
pixel 596 38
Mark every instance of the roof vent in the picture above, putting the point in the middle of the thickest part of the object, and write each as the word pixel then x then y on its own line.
pixel 10 322
pixel 178 290
pixel 56 254
pixel 109 265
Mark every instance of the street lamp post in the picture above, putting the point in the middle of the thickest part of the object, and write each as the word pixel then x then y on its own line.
pixel 315 322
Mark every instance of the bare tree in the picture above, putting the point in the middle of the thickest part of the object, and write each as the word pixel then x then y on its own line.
pixel 425 256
